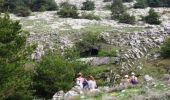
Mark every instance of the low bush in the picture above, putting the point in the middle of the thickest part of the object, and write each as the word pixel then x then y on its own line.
pixel 127 0
pixel 155 3
pixel 107 0
pixel 55 73
pixel 23 7
pixel 117 9
pixel 152 18
pixel 44 5
pixel 106 53
pixel 126 18
pixel 140 4
pixel 88 5
pixel 165 49
pixel 90 16
pixel 68 10
pixel 22 11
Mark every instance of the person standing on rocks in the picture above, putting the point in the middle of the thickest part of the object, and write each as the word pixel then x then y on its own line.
pixel 79 80
pixel 133 79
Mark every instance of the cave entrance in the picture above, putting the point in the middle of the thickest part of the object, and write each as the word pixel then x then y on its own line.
pixel 90 52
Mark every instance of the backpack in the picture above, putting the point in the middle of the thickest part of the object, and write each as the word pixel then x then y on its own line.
pixel 133 80
pixel 85 83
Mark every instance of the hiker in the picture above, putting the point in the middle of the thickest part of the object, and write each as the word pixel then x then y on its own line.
pixel 133 79
pixel 79 80
pixel 125 81
pixel 91 83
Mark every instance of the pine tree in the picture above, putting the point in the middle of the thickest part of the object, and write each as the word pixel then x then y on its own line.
pixel 15 80
pixel 117 9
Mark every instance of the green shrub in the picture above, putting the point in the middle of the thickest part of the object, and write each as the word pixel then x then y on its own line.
pixel 117 9
pixel 14 78
pixel 140 4
pixel 54 73
pixel 126 18
pixel 22 11
pixel 154 3
pixel 88 5
pixel 106 53
pixel 88 42
pixel 68 10
pixel 90 16
pixel 18 6
pixel 127 0
pixel 107 0
pixel 152 18
pixel 165 49
pixel 44 5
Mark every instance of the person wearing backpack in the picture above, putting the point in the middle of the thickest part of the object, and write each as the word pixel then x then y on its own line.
pixel 133 79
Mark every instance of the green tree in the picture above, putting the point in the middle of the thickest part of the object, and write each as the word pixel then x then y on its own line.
pixel 44 5
pixel 68 10
pixel 152 18
pixel 55 73
pixel 15 80
pixel 165 49
pixel 88 5
pixel 140 4
pixel 127 0
pixel 1 5
pixel 126 18
pixel 154 3
pixel 117 9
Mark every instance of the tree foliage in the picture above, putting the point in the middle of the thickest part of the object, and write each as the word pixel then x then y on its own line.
pixel 15 80
pixel 165 49
pixel 44 5
pixel 68 10
pixel 140 4
pixel 23 7
pixel 126 18
pixel 117 9
pixel 55 73
pixel 88 5
pixel 152 18
pixel 154 3
pixel 127 0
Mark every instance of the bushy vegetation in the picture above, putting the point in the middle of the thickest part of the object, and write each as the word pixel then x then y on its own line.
pixel 119 13
pixel 88 42
pixel 152 3
pixel 90 16
pixel 126 18
pixel 152 18
pixel 107 0
pixel 44 5
pixel 155 3
pixel 117 9
pixel 23 7
pixel 14 78
pixel 88 5
pixel 68 10
pixel 107 53
pixel 165 49
pixel 54 73
pixel 140 4
pixel 127 0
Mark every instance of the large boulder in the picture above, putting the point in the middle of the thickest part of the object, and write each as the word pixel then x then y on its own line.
pixel 96 61
pixel 58 96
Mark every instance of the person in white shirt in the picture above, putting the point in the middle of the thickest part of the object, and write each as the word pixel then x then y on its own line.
pixel 79 80
pixel 91 83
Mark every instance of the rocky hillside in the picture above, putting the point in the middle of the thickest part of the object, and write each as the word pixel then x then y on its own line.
pixel 133 41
